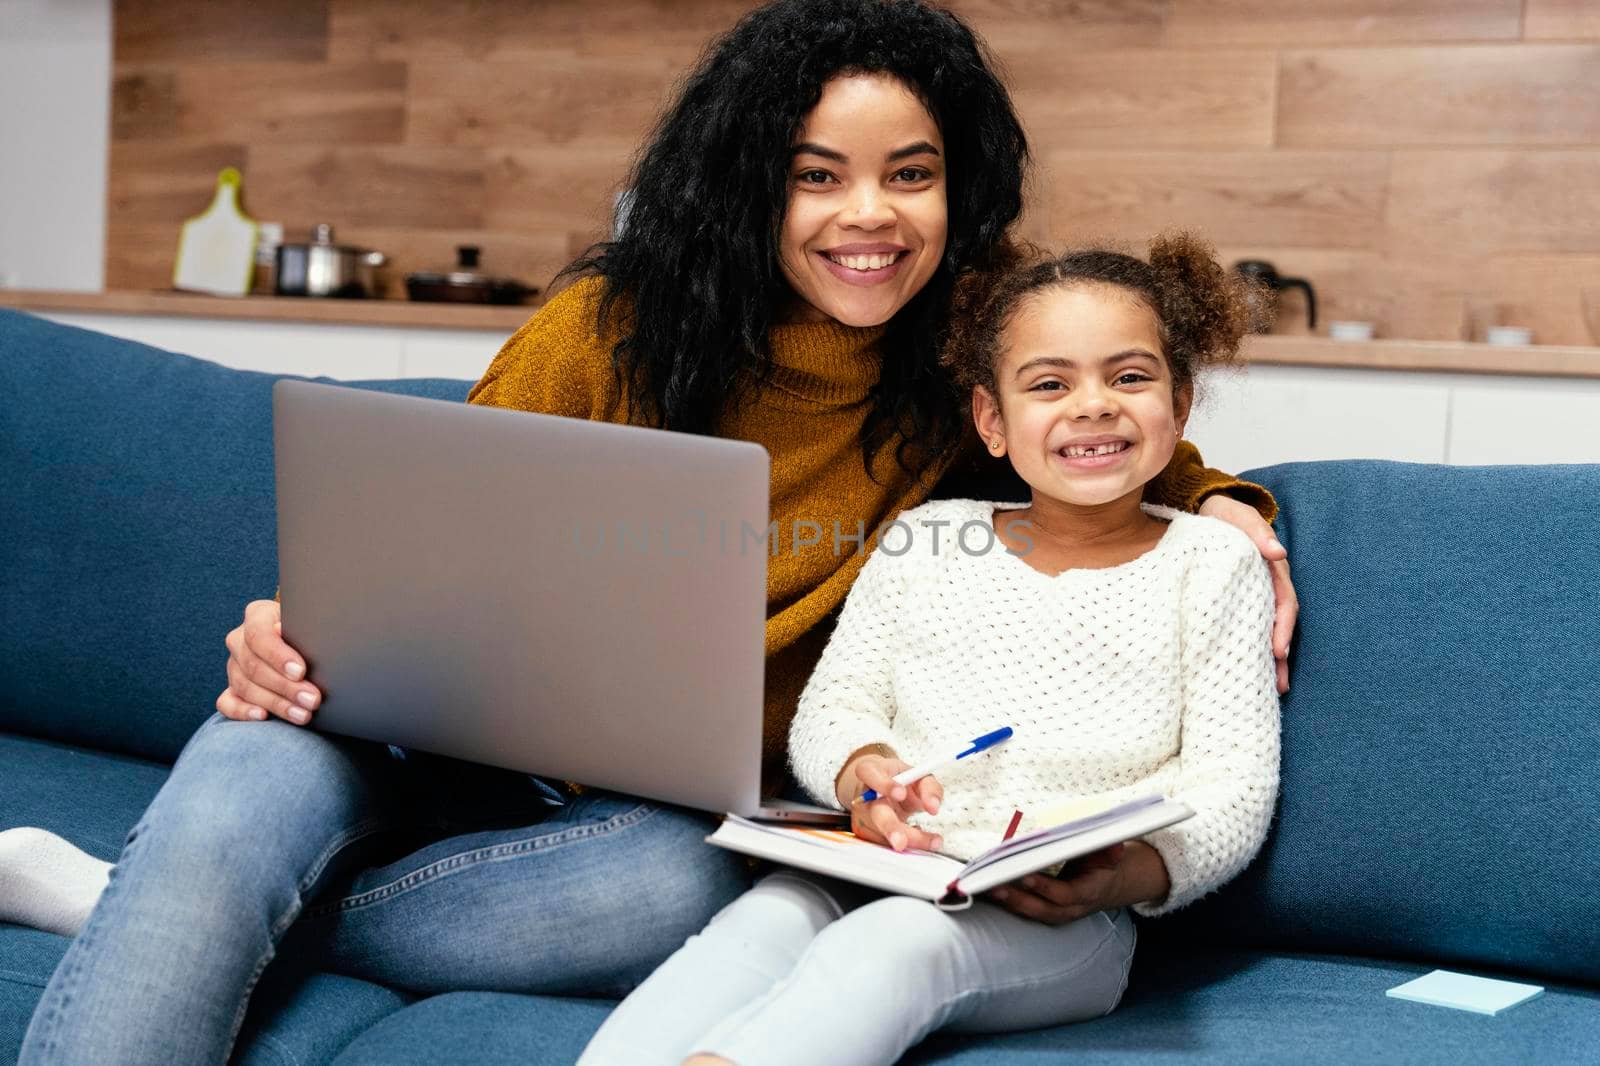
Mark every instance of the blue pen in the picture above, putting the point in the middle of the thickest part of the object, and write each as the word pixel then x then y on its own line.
pixel 917 773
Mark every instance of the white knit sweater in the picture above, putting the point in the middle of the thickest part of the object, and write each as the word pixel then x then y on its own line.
pixel 1155 676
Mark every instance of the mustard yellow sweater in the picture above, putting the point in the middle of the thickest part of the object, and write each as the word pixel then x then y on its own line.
pixel 809 419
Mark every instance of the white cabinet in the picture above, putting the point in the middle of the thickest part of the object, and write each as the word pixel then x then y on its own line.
pixel 1523 420
pixel 1272 414
pixel 313 349
pixel 1269 414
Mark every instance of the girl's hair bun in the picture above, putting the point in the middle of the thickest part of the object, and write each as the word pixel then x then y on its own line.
pixel 1204 309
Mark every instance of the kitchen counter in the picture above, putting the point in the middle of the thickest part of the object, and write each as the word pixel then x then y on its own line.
pixel 1459 357
pixel 505 319
pixel 1272 350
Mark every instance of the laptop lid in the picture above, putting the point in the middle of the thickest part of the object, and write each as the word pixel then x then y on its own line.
pixel 570 598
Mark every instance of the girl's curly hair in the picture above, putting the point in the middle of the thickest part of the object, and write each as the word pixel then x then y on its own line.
pixel 693 284
pixel 1200 307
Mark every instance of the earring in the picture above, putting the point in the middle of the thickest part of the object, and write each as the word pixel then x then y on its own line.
pixel 996 443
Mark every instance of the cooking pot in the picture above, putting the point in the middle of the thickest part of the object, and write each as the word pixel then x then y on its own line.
pixel 465 284
pixel 323 268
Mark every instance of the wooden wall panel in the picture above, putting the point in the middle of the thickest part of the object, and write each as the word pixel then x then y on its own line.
pixel 1562 20
pixel 144 104
pixel 165 182
pixel 422 188
pixel 207 31
pixel 263 103
pixel 1316 199
pixel 559 98
pixel 1437 297
pixel 1545 293
pixel 505 30
pixel 446 29
pixel 140 255
pixel 1500 201
pixel 1144 99
pixel 1544 94
pixel 669 28
pixel 571 190
pixel 1429 164
pixel 1075 25
pixel 1361 22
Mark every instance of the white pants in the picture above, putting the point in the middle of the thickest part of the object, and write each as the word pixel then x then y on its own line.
pixel 804 969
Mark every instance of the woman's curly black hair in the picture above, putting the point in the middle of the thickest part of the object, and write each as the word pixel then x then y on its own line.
pixel 693 283
pixel 1201 309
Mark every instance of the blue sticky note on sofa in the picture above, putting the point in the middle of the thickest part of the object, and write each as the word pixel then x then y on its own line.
pixel 1482 995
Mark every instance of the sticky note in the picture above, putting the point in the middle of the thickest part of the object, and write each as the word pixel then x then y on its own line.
pixel 1482 995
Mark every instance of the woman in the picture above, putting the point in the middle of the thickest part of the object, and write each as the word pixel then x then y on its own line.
pixel 742 302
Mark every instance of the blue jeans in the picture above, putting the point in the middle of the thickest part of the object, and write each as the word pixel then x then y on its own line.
pixel 422 873
pixel 803 969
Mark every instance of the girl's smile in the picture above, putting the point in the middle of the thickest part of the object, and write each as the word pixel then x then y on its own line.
pixel 1093 452
pixel 865 224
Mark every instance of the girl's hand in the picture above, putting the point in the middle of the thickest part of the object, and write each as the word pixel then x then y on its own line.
pixel 265 675
pixel 883 821
pixel 1243 516
pixel 1104 880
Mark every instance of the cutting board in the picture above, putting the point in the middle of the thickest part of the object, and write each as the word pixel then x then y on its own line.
pixel 216 252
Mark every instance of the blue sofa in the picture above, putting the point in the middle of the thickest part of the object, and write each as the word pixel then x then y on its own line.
pixel 1441 759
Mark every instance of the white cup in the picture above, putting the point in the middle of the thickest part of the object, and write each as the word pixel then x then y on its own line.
pixel 1350 331
pixel 1508 336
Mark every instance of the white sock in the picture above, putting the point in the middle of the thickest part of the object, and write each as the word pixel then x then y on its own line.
pixel 46 882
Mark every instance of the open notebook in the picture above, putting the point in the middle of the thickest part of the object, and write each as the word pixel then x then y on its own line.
pixel 946 881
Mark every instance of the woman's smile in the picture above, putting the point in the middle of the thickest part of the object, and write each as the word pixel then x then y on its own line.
pixel 865 264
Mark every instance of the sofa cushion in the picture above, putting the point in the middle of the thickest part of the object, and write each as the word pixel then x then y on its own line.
pixel 481 1029
pixel 1442 735
pixel 297 1020
pixel 291 1022
pixel 137 520
pixel 1233 1008
pixel 89 797
pixel 1205 1006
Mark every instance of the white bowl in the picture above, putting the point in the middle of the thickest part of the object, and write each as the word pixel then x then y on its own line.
pixel 1509 336
pixel 1350 331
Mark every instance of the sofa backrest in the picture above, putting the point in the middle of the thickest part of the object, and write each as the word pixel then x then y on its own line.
pixel 1441 739
pixel 136 521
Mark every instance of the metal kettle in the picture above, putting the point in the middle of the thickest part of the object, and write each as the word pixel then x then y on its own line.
pixel 1266 284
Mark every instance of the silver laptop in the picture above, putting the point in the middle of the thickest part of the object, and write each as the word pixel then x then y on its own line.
pixel 574 599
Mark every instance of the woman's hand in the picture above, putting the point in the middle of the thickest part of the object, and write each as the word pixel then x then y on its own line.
pixel 265 675
pixel 1104 880
pixel 1243 516
pixel 883 821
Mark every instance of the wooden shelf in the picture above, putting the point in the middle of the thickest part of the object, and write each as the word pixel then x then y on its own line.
pixel 1533 360
pixel 500 319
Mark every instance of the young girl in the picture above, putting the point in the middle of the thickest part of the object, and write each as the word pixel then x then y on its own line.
pixel 1127 644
